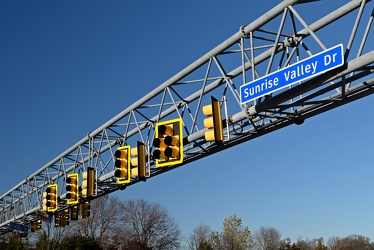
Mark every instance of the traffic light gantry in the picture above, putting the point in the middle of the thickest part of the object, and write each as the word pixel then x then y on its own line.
pixel 168 143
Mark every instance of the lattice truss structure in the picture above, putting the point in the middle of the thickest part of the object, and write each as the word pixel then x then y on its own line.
pixel 277 39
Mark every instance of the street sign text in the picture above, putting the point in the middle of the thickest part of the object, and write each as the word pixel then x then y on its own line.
pixel 302 70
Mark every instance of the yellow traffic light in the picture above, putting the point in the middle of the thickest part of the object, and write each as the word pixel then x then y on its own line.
pixel 36 225
pixel 64 218
pixel 45 208
pixel 122 164
pixel 88 183
pixel 214 122
pixel 72 189
pixel 74 212
pixel 85 210
pixel 50 198
pixel 139 161
pixel 168 143
pixel 58 219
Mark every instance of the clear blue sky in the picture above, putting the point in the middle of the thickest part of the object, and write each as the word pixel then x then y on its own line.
pixel 66 67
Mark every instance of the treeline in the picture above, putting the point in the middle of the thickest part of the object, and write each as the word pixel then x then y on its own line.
pixel 142 225
pixel 235 236
pixel 112 225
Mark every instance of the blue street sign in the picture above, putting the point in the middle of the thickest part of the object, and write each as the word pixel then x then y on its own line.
pixel 18 227
pixel 302 70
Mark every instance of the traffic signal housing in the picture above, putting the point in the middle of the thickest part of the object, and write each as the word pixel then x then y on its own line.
pixel 214 121
pixel 36 225
pixel 122 164
pixel 58 219
pixel 85 210
pixel 139 161
pixel 74 212
pixel 88 183
pixel 168 143
pixel 64 218
pixel 72 189
pixel 50 198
